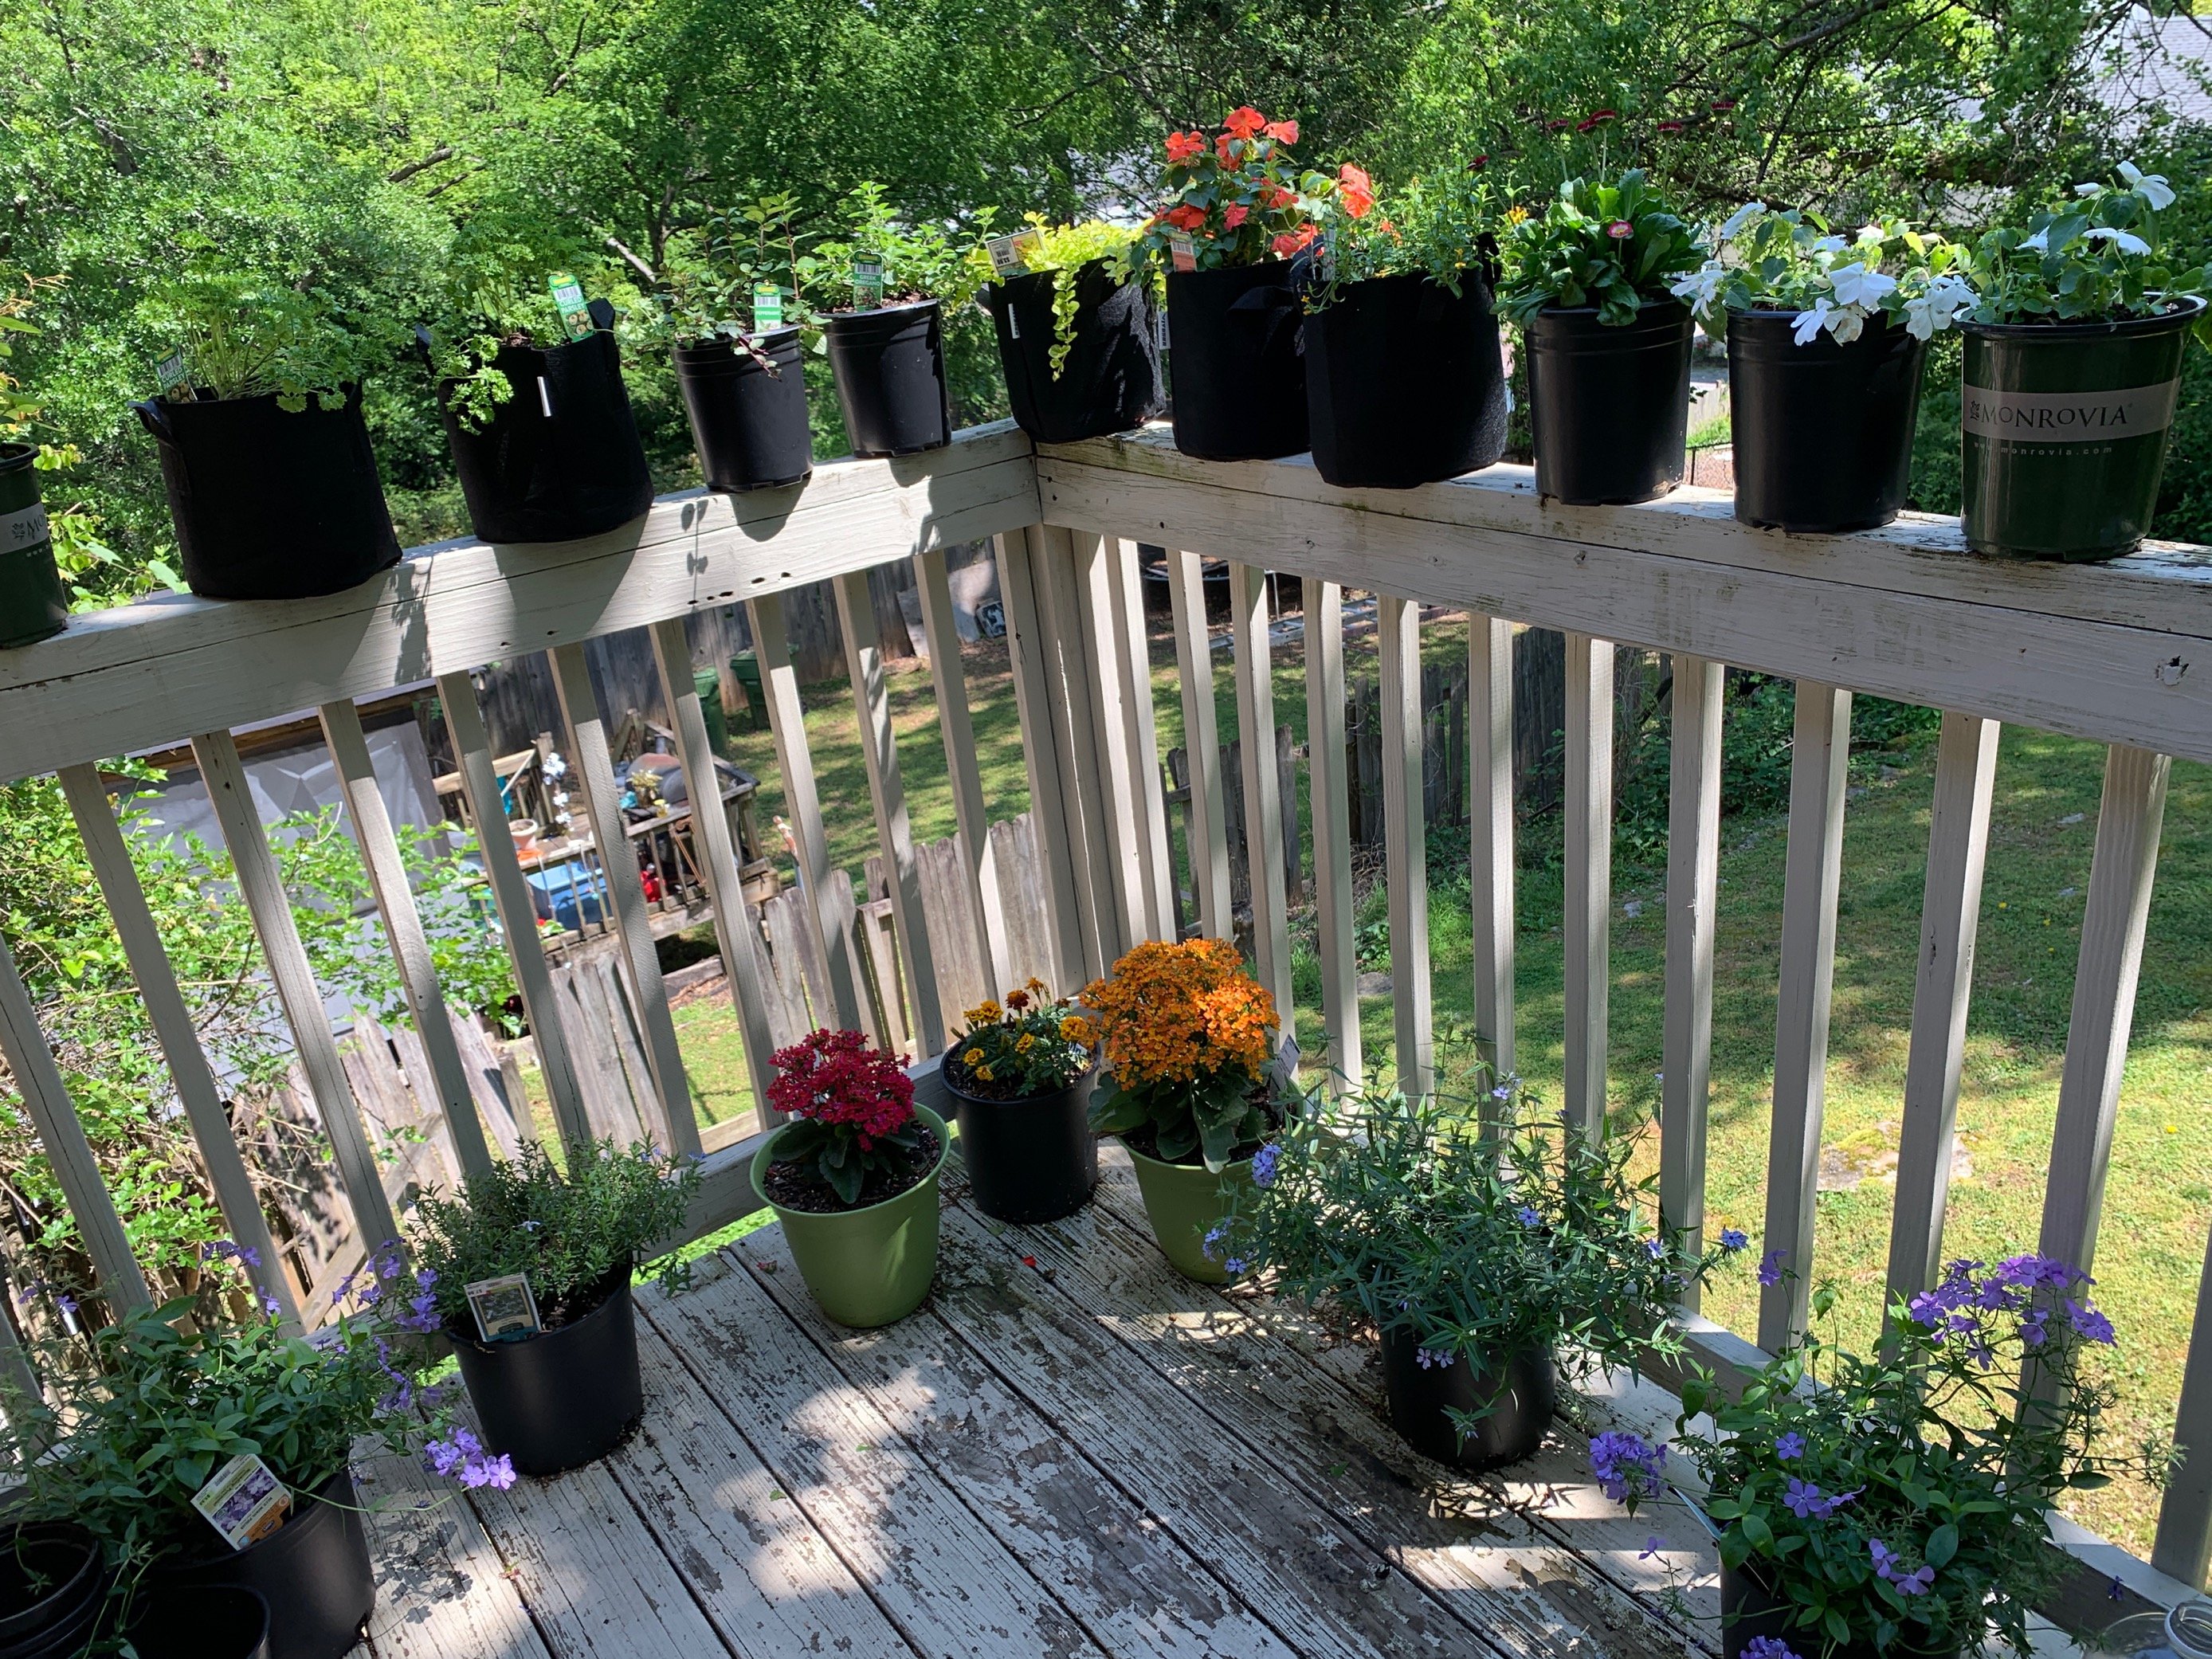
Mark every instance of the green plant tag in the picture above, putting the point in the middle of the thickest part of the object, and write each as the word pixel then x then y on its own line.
pixel 568 300
pixel 170 371
pixel 767 307
pixel 1011 255
pixel 868 283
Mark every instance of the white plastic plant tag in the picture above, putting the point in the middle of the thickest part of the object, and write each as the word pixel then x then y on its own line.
pixel 1011 255
pixel 170 370
pixel 1163 323
pixel 568 300
pixel 1182 250
pixel 244 1501
pixel 506 1310
pixel 867 283
pixel 767 307
pixel 1013 322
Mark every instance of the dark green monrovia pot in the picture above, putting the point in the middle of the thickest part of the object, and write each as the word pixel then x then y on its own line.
pixel 2065 428
pixel 32 602
pixel 1183 1201
pixel 867 1266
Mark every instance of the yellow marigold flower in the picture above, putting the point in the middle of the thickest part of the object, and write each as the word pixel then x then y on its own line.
pixel 973 1057
pixel 1037 986
pixel 982 1074
pixel 1076 1028
pixel 985 1013
pixel 1024 1043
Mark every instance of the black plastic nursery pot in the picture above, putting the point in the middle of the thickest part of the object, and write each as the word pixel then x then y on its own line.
pixel 1610 406
pixel 1823 432
pixel 1110 381
pixel 561 458
pixel 1233 356
pixel 314 1572
pixel 271 503
pixel 1029 1160
pixel 889 366
pixel 53 1584
pixel 1750 1610
pixel 218 1621
pixel 1405 383
pixel 1419 1394
pixel 561 1399
pixel 748 418
pixel 2065 427
pixel 33 605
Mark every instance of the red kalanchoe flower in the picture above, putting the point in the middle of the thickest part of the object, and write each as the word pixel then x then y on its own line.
pixel 835 1077
pixel 1283 132
pixel 1237 214
pixel 1183 146
pixel 1245 122
pixel 1357 190
pixel 1186 218
pixel 1620 229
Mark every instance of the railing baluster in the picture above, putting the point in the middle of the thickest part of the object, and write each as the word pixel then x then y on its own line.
pixel 1332 832
pixel 301 999
pixel 1950 912
pixel 871 703
pixel 1067 654
pixel 172 1019
pixel 743 969
pixel 1031 654
pixel 1263 797
pixel 1140 732
pixel 595 777
pixel 1490 830
pixel 957 726
pixel 1588 912
pixel 403 927
pixel 1201 739
pixel 518 912
pixel 1405 842
pixel 2182 1547
pixel 795 759
pixel 1116 793
pixel 1820 768
pixel 1693 855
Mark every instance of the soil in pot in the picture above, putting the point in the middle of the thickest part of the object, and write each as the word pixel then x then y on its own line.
pixel 748 417
pixel 1419 1395
pixel 1823 432
pixel 203 1622
pixel 561 458
pixel 566 1396
pixel 53 1582
pixel 1610 406
pixel 1184 1203
pixel 1110 380
pixel 1405 383
pixel 871 1264
pixel 2065 427
pixel 1029 1158
pixel 1750 1610
pixel 270 503
pixel 889 365
pixel 33 605
pixel 1234 363
pixel 313 1571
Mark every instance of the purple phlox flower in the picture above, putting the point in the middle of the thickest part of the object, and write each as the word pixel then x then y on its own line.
pixel 1527 1216
pixel 442 1457
pixel 2030 1270
pixel 1503 1091
pixel 1235 1265
pixel 497 1472
pixel 1917 1583
pixel 1211 1244
pixel 1789 1445
pixel 225 1250
pixel 1768 1647
pixel 1440 1357
pixel 1769 1268
pixel 1653 1545
pixel 2089 1322
pixel 1263 1164
pixel 424 1279
pixel 397 1400
pixel 1804 1500
pixel 422 1315
pixel 1734 1239
pixel 1625 1462
pixel 2030 1327
pixel 269 1304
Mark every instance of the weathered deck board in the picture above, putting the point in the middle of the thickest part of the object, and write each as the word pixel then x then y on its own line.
pixel 442 1590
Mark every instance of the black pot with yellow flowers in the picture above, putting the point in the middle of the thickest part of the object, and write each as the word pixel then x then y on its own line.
pixel 1020 1075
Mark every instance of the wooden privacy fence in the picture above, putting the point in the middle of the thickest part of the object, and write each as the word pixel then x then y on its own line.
pixel 2120 655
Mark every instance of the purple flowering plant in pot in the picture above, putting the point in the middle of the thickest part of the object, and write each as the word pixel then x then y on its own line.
pixel 1487 1243
pixel 1897 1505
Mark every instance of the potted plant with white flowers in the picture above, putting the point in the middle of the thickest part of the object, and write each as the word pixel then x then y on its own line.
pixel 1826 339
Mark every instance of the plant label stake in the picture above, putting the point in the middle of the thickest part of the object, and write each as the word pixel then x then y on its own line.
pixel 1009 255
pixel 568 300
pixel 767 307
pixel 170 371
pixel 1182 250
pixel 867 283
pixel 244 1501
pixel 506 1309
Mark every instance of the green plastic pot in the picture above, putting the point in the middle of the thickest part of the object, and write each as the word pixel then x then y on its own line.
pixel 2065 427
pixel 1183 1201
pixel 32 602
pixel 868 1266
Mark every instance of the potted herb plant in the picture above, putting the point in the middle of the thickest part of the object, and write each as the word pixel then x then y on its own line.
pixel 1077 328
pixel 1189 1038
pixel 1237 209
pixel 1826 338
pixel 1488 1250
pixel 1896 1505
pixel 1019 1075
pixel 272 486
pixel 529 1267
pixel 33 605
pixel 907 281
pixel 853 1177
pixel 744 381
pixel 1588 283
pixel 529 385
pixel 1405 380
pixel 2073 366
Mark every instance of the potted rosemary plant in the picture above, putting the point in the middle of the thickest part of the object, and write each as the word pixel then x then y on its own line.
pixel 1019 1075
pixel 853 1177
pixel 529 1267
pixel 1405 381
pixel 272 486
pixel 1487 1251
pixel 1189 1037
pixel 2073 367
pixel 1077 328
pixel 1826 338
pixel 1588 283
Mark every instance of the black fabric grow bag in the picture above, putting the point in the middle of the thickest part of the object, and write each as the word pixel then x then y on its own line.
pixel 1610 406
pixel 1823 432
pixel 1110 380
pixel 889 365
pixel 748 424
pixel 558 1399
pixel 1239 383
pixel 313 1571
pixel 560 458
pixel 271 503
pixel 1405 382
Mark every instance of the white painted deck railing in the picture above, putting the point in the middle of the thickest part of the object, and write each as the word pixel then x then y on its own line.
pixel 2120 655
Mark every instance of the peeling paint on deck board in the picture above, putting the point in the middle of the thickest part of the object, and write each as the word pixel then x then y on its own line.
pixel 442 1590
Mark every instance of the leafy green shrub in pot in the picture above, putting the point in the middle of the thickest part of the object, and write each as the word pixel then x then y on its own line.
pixel 1019 1075
pixel 1077 328
pixel 1486 1247
pixel 1588 280
pixel 273 487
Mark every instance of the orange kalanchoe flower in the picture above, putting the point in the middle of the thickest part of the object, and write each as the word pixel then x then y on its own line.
pixel 1171 1013
pixel 1245 122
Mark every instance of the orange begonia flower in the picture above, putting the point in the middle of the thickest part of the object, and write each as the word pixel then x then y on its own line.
pixel 1182 146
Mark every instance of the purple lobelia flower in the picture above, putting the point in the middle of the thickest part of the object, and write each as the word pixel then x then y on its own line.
pixel 1440 1357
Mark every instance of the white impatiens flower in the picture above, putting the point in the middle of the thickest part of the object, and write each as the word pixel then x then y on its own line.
pixel 1829 244
pixel 1936 310
pixel 2038 243
pixel 2089 190
pixel 1857 285
pixel 2152 186
pixel 1701 286
pixel 1869 233
pixel 1847 322
pixel 1810 323
pixel 1742 217
pixel 2126 240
